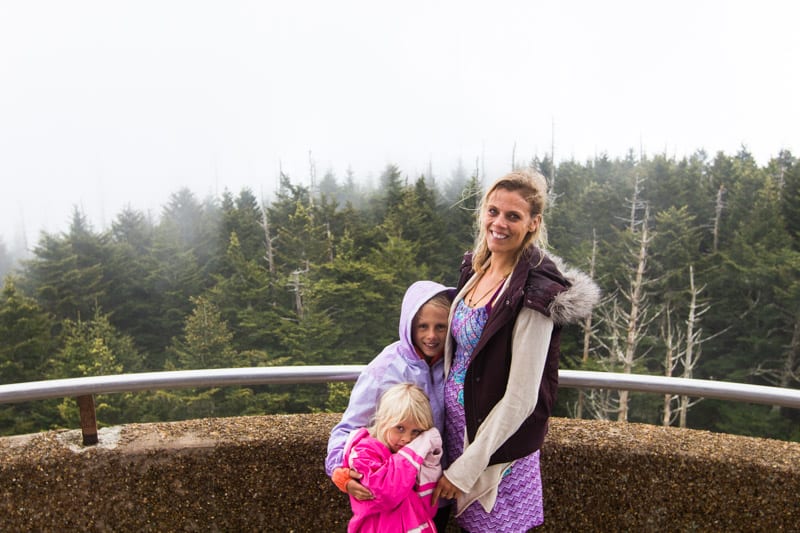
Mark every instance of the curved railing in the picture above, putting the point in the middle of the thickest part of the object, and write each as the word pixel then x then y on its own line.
pixel 84 388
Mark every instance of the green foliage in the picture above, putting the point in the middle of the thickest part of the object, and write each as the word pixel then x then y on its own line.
pixel 755 421
pixel 317 276
pixel 131 295
pixel 25 330
pixel 6 261
pixel 206 342
pixel 67 272
pixel 338 397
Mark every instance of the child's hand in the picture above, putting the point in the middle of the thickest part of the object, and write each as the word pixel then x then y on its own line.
pixel 347 479
pixel 357 490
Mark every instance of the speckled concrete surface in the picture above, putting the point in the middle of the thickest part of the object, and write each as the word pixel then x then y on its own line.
pixel 266 474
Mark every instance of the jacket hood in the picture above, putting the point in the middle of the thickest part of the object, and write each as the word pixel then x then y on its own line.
pixel 575 303
pixel 417 294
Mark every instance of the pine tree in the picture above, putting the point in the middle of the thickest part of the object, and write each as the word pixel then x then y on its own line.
pixel 206 340
pixel 68 271
pixel 790 199
pixel 26 333
pixel 6 262
pixel 132 301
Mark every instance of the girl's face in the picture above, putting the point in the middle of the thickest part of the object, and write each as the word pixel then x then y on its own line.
pixel 429 329
pixel 401 434
pixel 507 221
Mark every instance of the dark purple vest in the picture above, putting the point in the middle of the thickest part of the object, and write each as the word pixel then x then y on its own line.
pixel 534 283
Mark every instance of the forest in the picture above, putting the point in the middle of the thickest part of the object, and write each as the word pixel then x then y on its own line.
pixel 698 259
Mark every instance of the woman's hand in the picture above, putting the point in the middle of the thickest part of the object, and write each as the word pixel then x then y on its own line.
pixel 356 489
pixel 446 490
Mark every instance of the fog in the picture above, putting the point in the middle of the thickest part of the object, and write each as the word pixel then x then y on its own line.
pixel 106 104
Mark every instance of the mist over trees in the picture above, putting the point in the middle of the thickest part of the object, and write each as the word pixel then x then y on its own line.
pixel 699 260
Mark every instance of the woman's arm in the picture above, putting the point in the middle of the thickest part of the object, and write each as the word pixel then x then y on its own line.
pixel 531 340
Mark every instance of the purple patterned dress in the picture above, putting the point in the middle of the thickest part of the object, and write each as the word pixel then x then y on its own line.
pixel 519 505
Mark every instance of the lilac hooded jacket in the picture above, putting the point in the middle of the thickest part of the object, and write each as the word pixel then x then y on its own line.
pixel 397 363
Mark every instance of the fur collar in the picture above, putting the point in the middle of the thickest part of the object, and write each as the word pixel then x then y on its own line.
pixel 575 303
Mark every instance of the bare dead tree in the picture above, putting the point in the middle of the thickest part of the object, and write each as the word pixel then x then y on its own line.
pixel 636 317
pixel 482 175
pixel 296 286
pixel 329 239
pixel 627 315
pixel 601 404
pixel 588 332
pixel 269 254
pixel 553 153
pixel 312 176
pixel 513 157
pixel 693 341
pixel 686 357
pixel 673 339
pixel 719 206
pixel 788 372
pixel 636 204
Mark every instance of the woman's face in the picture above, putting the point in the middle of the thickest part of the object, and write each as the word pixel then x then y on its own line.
pixel 507 221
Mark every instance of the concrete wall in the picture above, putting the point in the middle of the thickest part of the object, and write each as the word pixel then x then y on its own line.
pixel 265 474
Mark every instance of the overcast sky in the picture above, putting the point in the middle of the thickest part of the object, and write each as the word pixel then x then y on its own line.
pixel 107 104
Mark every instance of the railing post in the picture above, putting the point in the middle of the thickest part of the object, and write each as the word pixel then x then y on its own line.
pixel 88 419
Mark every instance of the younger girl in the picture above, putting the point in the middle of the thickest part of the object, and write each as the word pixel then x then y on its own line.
pixel 398 458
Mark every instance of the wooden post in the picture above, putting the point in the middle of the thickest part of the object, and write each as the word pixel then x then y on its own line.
pixel 88 419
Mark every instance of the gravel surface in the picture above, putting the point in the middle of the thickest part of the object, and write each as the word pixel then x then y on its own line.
pixel 265 473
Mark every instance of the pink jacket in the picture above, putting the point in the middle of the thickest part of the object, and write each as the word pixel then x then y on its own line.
pixel 402 483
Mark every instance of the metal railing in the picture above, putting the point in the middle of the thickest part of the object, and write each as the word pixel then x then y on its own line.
pixel 85 388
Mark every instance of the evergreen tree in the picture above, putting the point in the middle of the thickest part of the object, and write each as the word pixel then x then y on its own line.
pixel 790 198
pixel 461 224
pixel 243 216
pixel 185 255
pixel 676 244
pixel 68 271
pixel 91 347
pixel 6 262
pixel 132 300
pixel 391 188
pixel 319 279
pixel 417 219
pixel 27 343
pixel 26 333
pixel 459 182
pixel 206 341
pixel 329 187
pixel 362 298
pixel 247 302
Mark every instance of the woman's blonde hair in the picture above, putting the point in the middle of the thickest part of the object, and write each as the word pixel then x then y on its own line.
pixel 401 402
pixel 532 187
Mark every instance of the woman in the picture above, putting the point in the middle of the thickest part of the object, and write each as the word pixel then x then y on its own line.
pixel 503 347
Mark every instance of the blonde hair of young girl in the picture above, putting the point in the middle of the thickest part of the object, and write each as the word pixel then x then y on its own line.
pixel 400 403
